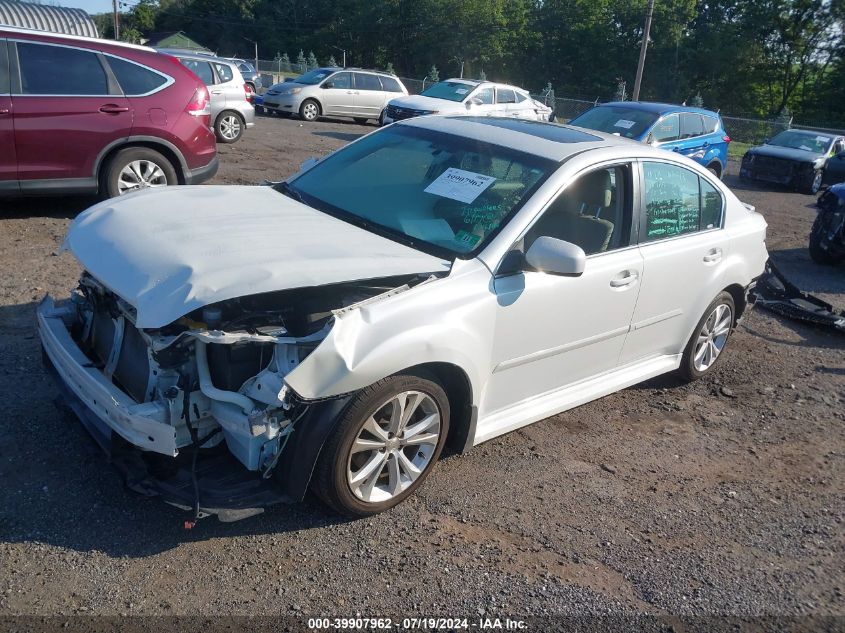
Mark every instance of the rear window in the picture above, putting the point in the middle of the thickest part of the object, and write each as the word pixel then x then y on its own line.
pixel 59 70
pixel 200 69
pixel 390 84
pixel 505 95
pixel 135 80
pixel 711 124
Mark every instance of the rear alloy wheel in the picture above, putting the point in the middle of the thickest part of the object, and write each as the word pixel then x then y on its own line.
pixel 229 127
pixel 309 110
pixel 709 338
pixel 136 168
pixel 384 447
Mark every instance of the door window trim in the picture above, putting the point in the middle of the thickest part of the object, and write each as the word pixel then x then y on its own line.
pixel 169 81
pixel 635 206
pixel 659 121
pixel 643 218
pixel 5 72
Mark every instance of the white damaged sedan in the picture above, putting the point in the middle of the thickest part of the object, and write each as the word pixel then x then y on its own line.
pixel 441 279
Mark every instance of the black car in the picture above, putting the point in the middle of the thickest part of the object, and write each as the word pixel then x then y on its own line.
pixel 798 158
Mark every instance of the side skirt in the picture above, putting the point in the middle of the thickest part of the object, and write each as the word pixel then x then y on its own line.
pixel 542 406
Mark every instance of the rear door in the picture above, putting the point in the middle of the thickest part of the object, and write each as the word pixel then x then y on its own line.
pixel 370 97
pixel 8 160
pixel 68 108
pixel 505 101
pixel 691 139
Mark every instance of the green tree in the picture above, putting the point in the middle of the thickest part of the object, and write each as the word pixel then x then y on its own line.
pixel 284 62
pixel 312 60
pixel 389 68
pixel 300 60
pixel 433 74
pixel 332 61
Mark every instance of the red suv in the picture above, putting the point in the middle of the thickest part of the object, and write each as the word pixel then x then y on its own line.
pixel 81 115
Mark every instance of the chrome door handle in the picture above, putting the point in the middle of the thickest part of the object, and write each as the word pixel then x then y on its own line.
pixel 713 255
pixel 217 92
pixel 111 108
pixel 625 278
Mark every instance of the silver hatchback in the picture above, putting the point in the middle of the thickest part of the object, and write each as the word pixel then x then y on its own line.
pixel 346 92
pixel 231 110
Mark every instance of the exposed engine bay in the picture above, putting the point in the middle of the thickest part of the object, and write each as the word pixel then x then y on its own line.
pixel 217 375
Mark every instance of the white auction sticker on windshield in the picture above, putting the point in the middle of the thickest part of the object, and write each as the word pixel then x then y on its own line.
pixel 462 91
pixel 625 123
pixel 823 139
pixel 459 184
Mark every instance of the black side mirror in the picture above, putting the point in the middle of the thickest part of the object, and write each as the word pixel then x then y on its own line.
pixel 328 84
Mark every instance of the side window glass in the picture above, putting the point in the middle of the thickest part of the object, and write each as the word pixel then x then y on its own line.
pixel 666 129
pixel 390 84
pixel 691 125
pixel 341 81
pixel 520 97
pixel 58 70
pixel 593 212
pixel 224 72
pixel 200 69
pixel 711 206
pixel 485 95
pixel 711 124
pixel 245 69
pixel 672 201
pixel 5 88
pixel 135 80
pixel 505 95
pixel 364 81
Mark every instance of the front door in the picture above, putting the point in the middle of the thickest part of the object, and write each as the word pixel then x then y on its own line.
pixel 66 111
pixel 8 159
pixel 338 95
pixel 553 331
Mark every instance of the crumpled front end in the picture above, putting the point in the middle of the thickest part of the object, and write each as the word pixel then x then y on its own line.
pixel 196 411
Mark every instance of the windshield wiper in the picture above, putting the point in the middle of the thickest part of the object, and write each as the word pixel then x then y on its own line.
pixel 285 188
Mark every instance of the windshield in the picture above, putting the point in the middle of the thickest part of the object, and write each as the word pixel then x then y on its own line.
pixel 818 144
pixel 443 194
pixel 449 90
pixel 627 122
pixel 313 77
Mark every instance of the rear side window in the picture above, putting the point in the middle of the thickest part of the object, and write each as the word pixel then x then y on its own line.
pixel 367 82
pixel 678 202
pixel 691 125
pixel 711 124
pixel 520 97
pixel 200 69
pixel 505 95
pixel 59 70
pixel 390 84
pixel 135 80
pixel 224 71
pixel 245 69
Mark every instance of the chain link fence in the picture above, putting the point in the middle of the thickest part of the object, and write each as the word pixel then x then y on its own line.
pixel 742 129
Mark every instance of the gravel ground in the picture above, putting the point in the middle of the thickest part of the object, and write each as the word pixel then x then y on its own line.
pixel 723 497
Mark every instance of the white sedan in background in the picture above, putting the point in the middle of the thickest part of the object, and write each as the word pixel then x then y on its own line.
pixel 467 96
pixel 443 278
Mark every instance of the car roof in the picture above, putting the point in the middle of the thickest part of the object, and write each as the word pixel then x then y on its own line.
pixel 813 132
pixel 546 140
pixel 198 57
pixel 74 38
pixel 657 108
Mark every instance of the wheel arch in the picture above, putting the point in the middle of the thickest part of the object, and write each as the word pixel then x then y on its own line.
pixel 168 150
pixel 717 165
pixel 737 293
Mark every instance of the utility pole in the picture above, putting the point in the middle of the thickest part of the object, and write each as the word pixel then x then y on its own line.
pixel 635 96
pixel 116 20
pixel 256 49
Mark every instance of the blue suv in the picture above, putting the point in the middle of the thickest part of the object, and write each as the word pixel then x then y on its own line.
pixel 694 132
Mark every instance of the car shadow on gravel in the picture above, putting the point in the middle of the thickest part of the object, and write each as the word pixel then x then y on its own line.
pixel 46 207
pixel 796 265
pixel 59 488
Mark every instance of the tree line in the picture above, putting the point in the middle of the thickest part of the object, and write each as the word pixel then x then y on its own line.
pixel 761 58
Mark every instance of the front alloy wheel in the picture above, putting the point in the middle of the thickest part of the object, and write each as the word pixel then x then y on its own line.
pixel 384 446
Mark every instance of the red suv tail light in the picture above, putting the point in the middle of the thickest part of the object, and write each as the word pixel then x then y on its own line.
pixel 199 105
pixel 726 138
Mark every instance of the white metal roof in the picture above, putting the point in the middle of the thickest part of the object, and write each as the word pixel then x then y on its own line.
pixel 47 18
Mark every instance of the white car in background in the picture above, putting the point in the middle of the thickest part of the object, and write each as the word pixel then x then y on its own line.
pixel 445 277
pixel 467 96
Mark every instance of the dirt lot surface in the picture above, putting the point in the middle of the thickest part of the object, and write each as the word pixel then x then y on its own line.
pixel 720 497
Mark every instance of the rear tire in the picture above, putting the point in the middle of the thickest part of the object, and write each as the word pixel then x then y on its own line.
pixel 309 110
pixel 136 168
pixel 709 338
pixel 715 169
pixel 817 253
pixel 369 465
pixel 229 127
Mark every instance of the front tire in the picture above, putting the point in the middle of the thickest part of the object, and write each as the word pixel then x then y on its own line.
pixel 817 253
pixel 813 182
pixel 309 110
pixel 229 127
pixel 136 168
pixel 385 445
pixel 709 338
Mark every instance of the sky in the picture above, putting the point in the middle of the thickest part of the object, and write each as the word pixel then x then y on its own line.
pixel 91 6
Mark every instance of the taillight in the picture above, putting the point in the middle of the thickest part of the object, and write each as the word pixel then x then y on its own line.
pixel 247 94
pixel 199 104
pixel 726 138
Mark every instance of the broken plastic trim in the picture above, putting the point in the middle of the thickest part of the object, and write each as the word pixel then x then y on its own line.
pixel 776 293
